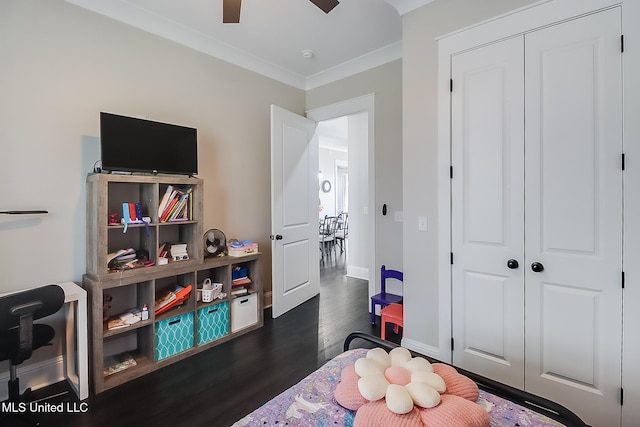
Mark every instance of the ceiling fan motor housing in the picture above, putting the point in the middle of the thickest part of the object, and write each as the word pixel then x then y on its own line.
pixel 231 9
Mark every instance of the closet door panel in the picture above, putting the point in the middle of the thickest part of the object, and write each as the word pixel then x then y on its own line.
pixel 573 226
pixel 487 210
pixel 575 331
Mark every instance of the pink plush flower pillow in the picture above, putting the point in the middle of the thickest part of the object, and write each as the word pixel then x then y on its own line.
pixel 396 389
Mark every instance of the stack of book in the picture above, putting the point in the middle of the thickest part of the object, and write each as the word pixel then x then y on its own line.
pixel 176 204
pixel 240 282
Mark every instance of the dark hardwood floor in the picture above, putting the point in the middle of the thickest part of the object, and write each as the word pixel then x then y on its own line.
pixel 221 385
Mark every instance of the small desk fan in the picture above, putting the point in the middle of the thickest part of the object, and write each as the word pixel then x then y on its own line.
pixel 215 243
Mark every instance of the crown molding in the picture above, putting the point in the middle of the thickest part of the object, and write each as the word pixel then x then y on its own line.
pixel 127 13
pixel 171 30
pixel 406 6
pixel 354 66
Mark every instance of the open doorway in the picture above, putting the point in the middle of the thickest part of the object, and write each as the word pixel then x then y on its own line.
pixel 344 190
pixel 333 190
pixel 350 287
pixel 358 113
pixel 343 193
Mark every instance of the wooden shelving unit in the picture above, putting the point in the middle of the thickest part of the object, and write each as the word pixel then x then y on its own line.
pixel 190 327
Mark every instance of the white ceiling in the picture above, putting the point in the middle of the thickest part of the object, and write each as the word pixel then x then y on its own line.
pixel 272 34
pixel 332 134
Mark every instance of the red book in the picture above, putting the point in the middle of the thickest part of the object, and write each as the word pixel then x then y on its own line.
pixel 132 212
pixel 168 210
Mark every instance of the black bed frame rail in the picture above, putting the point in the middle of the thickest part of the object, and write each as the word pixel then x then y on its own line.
pixel 539 404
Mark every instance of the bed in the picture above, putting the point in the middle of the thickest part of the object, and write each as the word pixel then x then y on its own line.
pixel 311 402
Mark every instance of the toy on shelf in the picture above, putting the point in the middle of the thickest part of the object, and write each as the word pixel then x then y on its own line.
pixel 242 247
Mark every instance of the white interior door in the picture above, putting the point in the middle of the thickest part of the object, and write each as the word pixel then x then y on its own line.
pixel 294 210
pixel 574 215
pixel 487 211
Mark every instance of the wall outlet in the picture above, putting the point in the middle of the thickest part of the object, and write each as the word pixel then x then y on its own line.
pixel 397 216
pixel 422 223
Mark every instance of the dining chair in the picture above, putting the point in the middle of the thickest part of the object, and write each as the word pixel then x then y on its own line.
pixel 343 230
pixel 327 234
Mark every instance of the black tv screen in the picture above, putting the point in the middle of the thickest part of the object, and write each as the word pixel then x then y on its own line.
pixel 130 144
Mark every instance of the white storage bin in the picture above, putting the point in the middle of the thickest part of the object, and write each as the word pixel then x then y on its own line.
pixel 244 312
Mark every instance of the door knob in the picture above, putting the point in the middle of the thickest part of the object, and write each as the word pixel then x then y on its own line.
pixel 513 264
pixel 537 267
pixel 276 237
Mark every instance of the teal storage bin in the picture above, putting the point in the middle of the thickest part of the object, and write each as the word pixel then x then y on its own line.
pixel 213 322
pixel 173 335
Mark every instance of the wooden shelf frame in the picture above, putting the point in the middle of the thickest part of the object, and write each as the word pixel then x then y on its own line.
pixel 139 286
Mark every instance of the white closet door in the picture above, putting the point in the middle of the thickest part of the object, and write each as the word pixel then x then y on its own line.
pixel 487 211
pixel 573 190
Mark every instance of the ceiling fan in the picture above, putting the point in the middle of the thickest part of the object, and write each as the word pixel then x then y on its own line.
pixel 231 9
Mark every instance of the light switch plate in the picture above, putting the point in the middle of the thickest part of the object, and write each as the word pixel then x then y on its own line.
pixel 422 223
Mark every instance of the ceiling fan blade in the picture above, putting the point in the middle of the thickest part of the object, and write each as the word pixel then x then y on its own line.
pixel 325 5
pixel 231 11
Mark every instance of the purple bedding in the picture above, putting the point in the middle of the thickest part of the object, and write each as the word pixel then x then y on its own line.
pixel 311 403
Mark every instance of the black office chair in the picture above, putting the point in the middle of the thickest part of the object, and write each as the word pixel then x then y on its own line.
pixel 19 336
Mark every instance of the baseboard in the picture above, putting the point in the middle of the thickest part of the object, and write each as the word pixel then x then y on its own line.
pixel 358 272
pixel 35 375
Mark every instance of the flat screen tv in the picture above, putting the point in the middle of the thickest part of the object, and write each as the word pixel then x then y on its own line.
pixel 129 144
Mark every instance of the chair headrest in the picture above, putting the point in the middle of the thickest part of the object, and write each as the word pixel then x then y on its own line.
pixel 42 302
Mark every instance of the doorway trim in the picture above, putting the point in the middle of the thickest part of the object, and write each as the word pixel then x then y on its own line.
pixel 365 103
